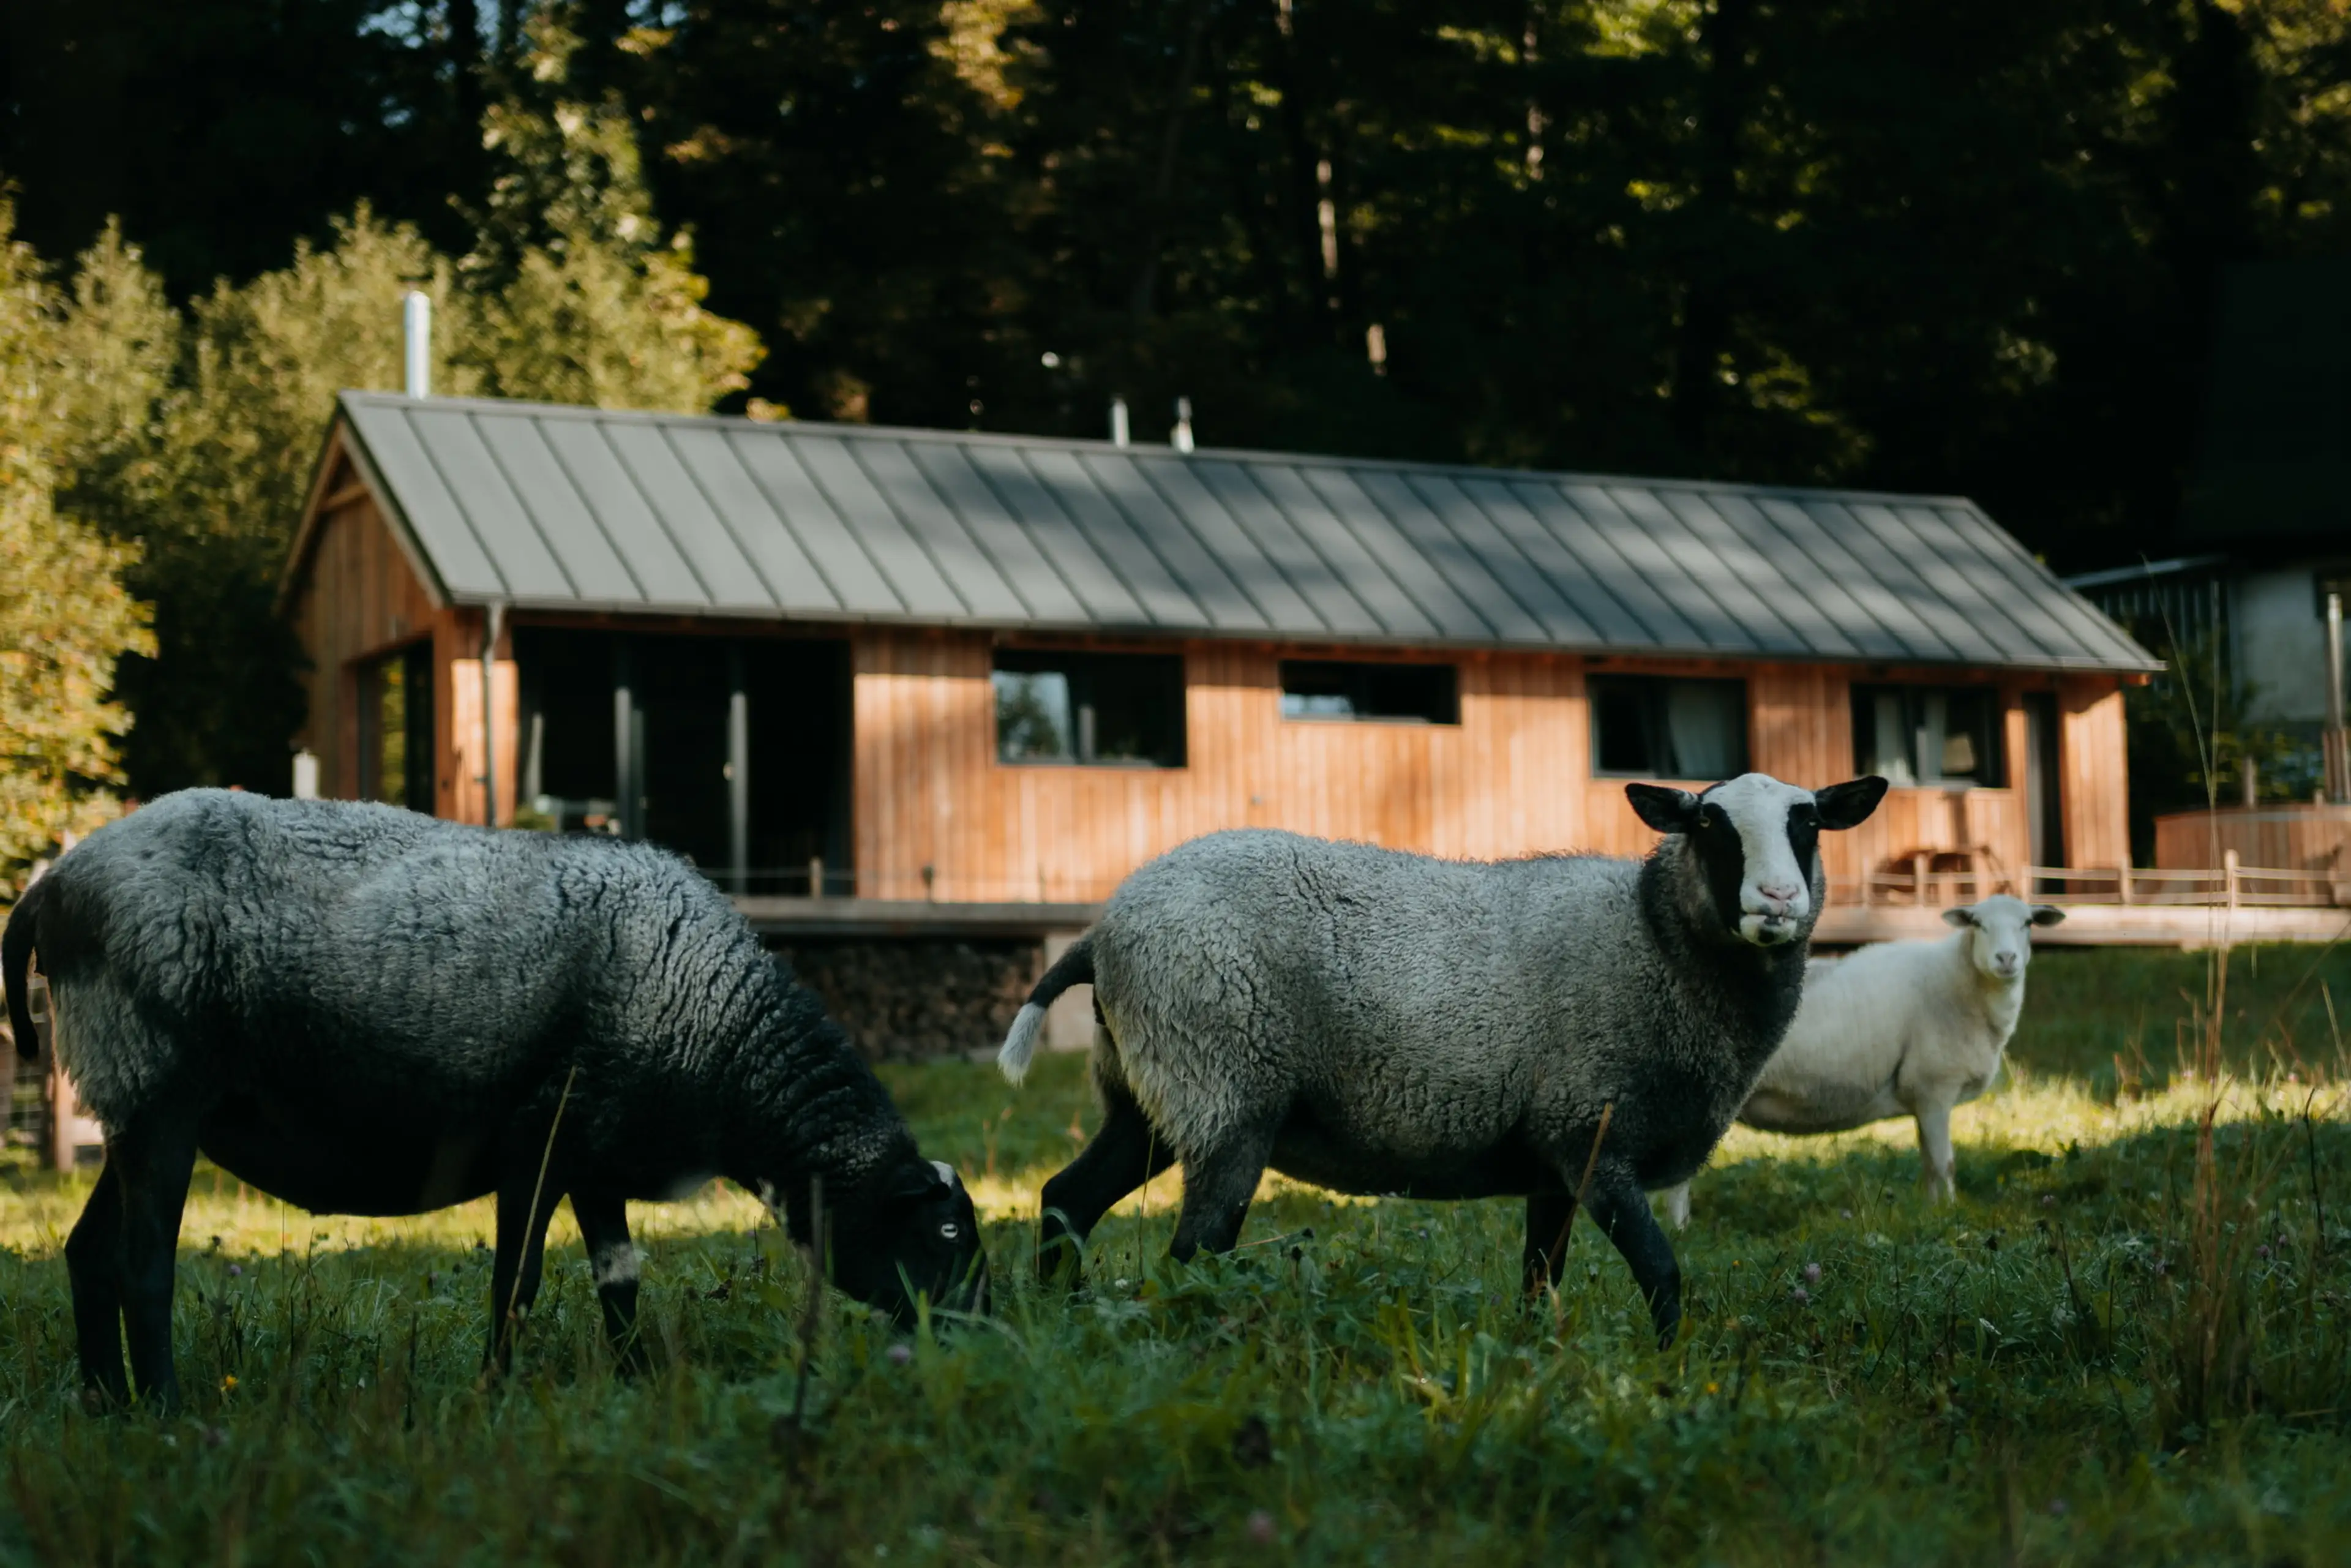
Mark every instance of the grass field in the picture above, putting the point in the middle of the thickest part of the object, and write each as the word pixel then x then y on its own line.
pixel 2124 1342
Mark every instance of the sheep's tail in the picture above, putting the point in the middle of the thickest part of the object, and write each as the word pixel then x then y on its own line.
pixel 15 967
pixel 1074 968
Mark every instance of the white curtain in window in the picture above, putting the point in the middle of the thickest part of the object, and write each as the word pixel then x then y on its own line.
pixel 1891 739
pixel 1706 721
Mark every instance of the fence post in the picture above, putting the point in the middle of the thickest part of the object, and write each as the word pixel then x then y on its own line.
pixel 2228 874
pixel 2122 883
pixel 816 876
pixel 1918 879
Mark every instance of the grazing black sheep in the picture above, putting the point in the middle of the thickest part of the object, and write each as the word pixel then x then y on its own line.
pixel 1381 1022
pixel 363 1010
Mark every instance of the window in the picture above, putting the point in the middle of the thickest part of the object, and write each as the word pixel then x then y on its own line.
pixel 1389 694
pixel 396 729
pixel 1928 735
pixel 1109 709
pixel 1658 727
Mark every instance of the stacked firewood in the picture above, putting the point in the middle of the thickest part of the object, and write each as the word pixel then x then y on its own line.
pixel 912 1001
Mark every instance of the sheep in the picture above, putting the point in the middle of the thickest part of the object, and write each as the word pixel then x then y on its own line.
pixel 1380 1022
pixel 364 1010
pixel 1900 1028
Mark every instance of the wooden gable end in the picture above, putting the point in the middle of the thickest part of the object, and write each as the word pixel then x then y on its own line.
pixel 352 596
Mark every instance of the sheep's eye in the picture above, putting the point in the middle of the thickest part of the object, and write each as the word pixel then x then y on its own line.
pixel 949 1231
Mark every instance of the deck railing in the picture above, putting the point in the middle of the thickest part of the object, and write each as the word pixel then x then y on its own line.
pixel 2228 886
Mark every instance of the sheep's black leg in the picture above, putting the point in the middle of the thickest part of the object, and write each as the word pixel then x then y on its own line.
pixel 1547 1214
pixel 1621 1209
pixel 1122 1156
pixel 1218 1187
pixel 604 1227
pixel 522 1249
pixel 156 1158
pixel 94 1264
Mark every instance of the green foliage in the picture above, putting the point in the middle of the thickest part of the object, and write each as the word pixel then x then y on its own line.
pixel 66 617
pixel 194 433
pixel 2014 1377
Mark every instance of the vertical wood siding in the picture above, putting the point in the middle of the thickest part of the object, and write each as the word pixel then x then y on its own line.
pixel 357 601
pixel 1511 779
pixel 2092 760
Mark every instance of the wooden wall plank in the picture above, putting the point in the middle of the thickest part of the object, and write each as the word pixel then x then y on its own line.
pixel 2094 765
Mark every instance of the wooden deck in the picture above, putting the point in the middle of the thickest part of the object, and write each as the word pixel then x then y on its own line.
pixel 2100 925
pixel 1843 924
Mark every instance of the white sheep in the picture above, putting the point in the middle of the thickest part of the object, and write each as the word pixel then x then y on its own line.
pixel 1901 1028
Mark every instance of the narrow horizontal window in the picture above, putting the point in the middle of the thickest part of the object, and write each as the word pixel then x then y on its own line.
pixel 1111 710
pixel 1928 735
pixel 1662 727
pixel 1384 693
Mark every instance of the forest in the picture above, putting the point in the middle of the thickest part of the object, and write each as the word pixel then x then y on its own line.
pixel 1853 242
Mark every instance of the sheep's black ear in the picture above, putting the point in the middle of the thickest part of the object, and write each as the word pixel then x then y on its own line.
pixel 917 1181
pixel 1848 805
pixel 2047 915
pixel 1958 916
pixel 1663 808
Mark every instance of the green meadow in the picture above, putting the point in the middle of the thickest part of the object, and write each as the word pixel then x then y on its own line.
pixel 2128 1341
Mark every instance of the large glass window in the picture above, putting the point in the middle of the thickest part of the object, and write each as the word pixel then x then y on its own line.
pixel 1928 735
pixel 396 729
pixel 1108 709
pixel 1663 727
pixel 1387 693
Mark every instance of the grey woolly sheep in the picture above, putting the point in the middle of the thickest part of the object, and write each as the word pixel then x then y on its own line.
pixel 1380 1022
pixel 363 1010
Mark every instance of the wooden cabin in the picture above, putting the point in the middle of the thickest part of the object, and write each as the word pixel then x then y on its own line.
pixel 970 669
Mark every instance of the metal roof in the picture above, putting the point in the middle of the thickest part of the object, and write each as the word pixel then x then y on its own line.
pixel 553 507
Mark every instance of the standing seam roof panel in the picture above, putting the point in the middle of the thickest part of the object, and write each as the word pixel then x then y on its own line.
pixel 816 524
pixel 524 565
pixel 1057 537
pixel 1145 574
pixel 1711 589
pixel 1530 561
pixel 1027 568
pixel 887 542
pixel 1978 594
pixel 425 505
pixel 1929 581
pixel 1894 609
pixel 1653 580
pixel 571 531
pixel 762 536
pixel 1760 583
pixel 1252 570
pixel 702 538
pixel 1462 563
pixel 1422 579
pixel 1122 484
pixel 547 506
pixel 605 488
pixel 1785 531
pixel 1349 559
pixel 959 554
pixel 1309 575
pixel 2092 635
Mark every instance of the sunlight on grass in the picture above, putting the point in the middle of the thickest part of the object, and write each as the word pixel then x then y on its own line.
pixel 2124 1340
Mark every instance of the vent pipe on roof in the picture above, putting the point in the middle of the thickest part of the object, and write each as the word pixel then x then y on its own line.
pixel 1118 422
pixel 416 324
pixel 1180 438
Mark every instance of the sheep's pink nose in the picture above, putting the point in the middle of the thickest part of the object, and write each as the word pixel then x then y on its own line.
pixel 1779 897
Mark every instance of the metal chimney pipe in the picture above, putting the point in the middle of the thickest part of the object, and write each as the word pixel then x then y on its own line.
pixel 2338 755
pixel 1118 422
pixel 416 325
pixel 1180 438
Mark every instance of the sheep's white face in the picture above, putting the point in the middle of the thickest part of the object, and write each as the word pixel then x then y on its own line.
pixel 1757 841
pixel 2000 932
